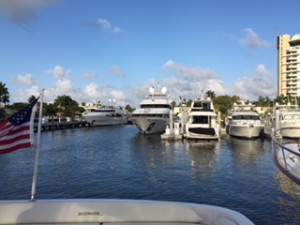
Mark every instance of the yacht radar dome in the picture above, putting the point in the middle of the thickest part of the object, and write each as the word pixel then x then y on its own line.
pixel 164 90
pixel 151 90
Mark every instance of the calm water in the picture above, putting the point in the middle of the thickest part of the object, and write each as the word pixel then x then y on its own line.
pixel 117 162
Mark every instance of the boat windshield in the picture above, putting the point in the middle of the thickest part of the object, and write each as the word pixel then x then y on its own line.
pixel 245 117
pixel 102 110
pixel 200 119
pixel 156 106
pixel 203 105
pixel 291 117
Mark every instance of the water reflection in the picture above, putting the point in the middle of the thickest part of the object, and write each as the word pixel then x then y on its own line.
pixel 288 200
pixel 245 150
pixel 286 185
pixel 203 153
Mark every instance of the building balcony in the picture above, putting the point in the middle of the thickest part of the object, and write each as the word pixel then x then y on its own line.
pixel 291 68
pixel 292 78
pixel 291 63
pixel 291 72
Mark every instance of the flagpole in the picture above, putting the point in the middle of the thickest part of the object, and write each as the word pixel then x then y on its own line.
pixel 37 150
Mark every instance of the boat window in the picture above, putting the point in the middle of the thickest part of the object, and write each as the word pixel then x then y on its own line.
pixel 291 117
pixel 287 117
pixel 200 119
pixel 296 117
pixel 102 110
pixel 156 106
pixel 203 105
pixel 245 117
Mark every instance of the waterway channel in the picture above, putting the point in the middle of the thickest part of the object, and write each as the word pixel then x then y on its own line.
pixel 118 162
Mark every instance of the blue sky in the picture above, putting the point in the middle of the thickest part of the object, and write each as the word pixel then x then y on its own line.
pixel 116 49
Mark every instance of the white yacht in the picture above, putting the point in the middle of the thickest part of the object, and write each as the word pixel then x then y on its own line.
pixel 104 115
pixel 288 117
pixel 202 120
pixel 244 121
pixel 153 113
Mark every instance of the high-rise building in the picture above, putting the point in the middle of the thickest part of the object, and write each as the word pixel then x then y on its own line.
pixel 288 65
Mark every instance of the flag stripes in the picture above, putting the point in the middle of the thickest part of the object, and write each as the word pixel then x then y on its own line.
pixel 16 131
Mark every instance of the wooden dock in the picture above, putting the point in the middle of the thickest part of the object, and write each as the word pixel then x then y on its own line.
pixel 59 125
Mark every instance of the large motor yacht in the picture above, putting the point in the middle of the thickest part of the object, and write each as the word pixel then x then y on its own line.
pixel 202 120
pixel 153 113
pixel 244 121
pixel 104 115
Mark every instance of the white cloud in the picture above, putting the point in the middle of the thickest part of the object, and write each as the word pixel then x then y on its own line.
pixel 24 79
pixel 189 73
pixel 262 71
pixel 252 40
pixel 92 92
pixel 105 25
pixel 59 72
pixel 116 30
pixel 21 11
pixel 261 84
pixel 118 95
pixel 116 71
pixel 64 86
pixel 188 82
pixel 22 95
pixel 89 75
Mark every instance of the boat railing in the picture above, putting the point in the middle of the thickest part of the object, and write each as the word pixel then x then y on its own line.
pixel 283 145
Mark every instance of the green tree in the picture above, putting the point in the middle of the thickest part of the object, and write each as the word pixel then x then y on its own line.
pixel 211 94
pixel 17 106
pixel 225 102
pixel 128 108
pixel 173 104
pixel 4 94
pixel 49 110
pixel 31 98
pixel 66 106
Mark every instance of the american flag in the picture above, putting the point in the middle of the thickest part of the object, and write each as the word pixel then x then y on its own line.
pixel 16 132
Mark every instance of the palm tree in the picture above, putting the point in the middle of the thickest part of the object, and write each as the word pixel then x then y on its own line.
pixel 31 98
pixel 4 94
pixel 211 94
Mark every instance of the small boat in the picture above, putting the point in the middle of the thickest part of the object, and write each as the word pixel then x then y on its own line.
pixel 244 121
pixel 202 121
pixel 287 153
pixel 104 115
pixel 153 113
pixel 113 211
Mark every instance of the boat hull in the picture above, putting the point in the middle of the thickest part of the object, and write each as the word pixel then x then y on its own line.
pixel 105 120
pixel 245 131
pixel 95 211
pixel 203 133
pixel 150 125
